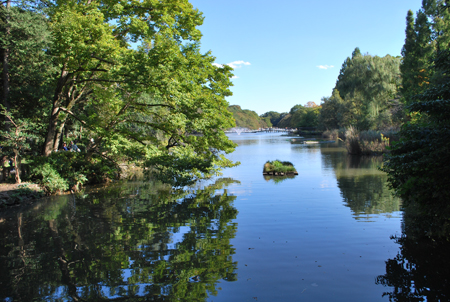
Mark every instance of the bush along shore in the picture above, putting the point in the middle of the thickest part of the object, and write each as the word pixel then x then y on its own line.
pixel 279 168
pixel 367 142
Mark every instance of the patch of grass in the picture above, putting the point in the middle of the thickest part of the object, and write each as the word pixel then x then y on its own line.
pixel 278 166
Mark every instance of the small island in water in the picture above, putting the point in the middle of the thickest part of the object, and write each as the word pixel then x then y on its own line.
pixel 279 168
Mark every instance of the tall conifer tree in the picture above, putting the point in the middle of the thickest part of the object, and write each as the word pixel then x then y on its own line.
pixel 417 52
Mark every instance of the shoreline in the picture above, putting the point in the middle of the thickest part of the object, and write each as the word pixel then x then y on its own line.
pixel 18 194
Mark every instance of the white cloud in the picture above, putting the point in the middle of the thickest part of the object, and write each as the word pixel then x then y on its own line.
pixel 234 77
pixel 234 65
pixel 325 66
pixel 238 64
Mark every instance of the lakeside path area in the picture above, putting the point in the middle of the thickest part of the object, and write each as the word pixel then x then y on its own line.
pixel 13 194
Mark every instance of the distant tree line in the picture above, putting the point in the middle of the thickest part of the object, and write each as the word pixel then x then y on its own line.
pixel 366 96
pixel 248 119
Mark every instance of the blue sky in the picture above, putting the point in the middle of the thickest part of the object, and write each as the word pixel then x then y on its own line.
pixel 289 52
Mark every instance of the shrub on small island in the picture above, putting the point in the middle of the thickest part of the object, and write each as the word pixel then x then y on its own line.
pixel 278 166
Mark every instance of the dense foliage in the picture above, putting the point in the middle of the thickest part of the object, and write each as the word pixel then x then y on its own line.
pixel 364 95
pixel 126 79
pixel 419 162
pixel 418 165
pixel 248 119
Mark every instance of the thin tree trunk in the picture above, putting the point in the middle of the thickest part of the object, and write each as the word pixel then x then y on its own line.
pixel 5 65
pixel 17 166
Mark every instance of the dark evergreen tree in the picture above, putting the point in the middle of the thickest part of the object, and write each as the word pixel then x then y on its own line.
pixel 418 165
pixel 416 52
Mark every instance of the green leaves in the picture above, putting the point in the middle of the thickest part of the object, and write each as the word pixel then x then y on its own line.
pixel 366 87
pixel 130 75
pixel 418 164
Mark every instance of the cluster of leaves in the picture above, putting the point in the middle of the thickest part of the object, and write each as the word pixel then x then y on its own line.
pixel 69 170
pixel 183 167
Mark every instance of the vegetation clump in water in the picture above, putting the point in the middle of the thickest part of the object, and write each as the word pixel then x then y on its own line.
pixel 278 167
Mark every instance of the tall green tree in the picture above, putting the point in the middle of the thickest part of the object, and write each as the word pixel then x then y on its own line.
pixel 439 14
pixel 416 52
pixel 331 115
pixel 367 86
pixel 418 163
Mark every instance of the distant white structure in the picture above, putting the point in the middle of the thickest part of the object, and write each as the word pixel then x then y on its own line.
pixel 238 130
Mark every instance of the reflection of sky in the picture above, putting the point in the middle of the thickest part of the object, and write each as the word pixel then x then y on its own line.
pixel 298 237
pixel 178 237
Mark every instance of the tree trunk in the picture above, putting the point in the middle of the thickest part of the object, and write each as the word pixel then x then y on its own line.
pixel 57 142
pixel 53 122
pixel 17 166
pixel 58 136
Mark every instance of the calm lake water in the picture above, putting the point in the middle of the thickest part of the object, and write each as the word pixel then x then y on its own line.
pixel 327 234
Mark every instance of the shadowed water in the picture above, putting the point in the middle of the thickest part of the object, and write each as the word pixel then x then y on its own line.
pixel 323 235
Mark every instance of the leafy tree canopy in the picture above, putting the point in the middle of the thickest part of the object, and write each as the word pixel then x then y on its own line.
pixel 364 93
pixel 128 77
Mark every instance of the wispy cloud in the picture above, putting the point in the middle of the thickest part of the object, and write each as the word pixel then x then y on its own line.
pixel 325 66
pixel 234 77
pixel 238 64
pixel 234 64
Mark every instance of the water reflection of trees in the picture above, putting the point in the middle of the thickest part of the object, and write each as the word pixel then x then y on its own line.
pixel 277 179
pixel 421 269
pixel 363 187
pixel 123 243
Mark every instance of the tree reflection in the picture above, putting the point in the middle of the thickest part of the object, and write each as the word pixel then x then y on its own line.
pixel 363 187
pixel 122 243
pixel 421 270
pixel 277 179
